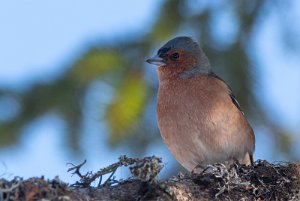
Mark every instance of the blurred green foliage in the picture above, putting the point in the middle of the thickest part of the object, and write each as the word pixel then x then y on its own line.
pixel 122 67
pixel 94 64
pixel 126 108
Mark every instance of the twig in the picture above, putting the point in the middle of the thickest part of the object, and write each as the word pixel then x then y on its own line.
pixel 87 179
pixel 9 190
pixel 110 176
pixel 76 168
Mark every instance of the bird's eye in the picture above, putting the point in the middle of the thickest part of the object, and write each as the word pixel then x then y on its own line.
pixel 175 56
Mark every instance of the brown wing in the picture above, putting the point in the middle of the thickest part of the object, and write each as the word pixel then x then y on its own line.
pixel 232 96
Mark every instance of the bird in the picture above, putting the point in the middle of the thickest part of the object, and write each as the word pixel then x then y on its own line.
pixel 199 118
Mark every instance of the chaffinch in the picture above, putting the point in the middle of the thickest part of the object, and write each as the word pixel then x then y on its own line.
pixel 199 118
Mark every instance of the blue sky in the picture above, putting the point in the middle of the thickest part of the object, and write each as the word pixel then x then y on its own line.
pixel 43 35
pixel 279 85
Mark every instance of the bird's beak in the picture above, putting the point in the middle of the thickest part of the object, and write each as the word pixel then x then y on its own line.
pixel 156 60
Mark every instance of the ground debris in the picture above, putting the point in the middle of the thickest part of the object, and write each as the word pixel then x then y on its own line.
pixel 31 189
pixel 262 181
pixel 145 169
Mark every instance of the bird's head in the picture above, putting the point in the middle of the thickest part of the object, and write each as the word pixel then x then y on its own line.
pixel 181 57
